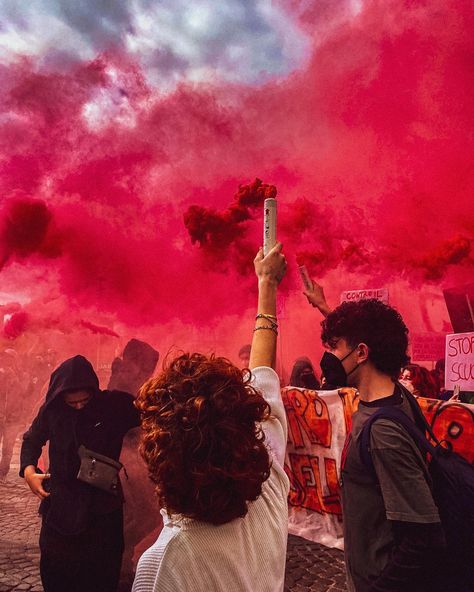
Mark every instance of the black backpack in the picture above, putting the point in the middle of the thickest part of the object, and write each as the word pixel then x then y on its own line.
pixel 453 490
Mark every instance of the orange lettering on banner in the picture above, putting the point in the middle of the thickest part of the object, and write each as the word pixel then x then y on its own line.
pixel 297 494
pixel 306 490
pixel 332 500
pixel 307 413
pixel 309 425
pixel 455 423
pixel 429 407
pixel 350 403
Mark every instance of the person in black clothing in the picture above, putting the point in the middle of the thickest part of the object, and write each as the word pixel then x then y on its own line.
pixel 303 375
pixel 393 538
pixel 134 368
pixel 81 539
pixel 129 373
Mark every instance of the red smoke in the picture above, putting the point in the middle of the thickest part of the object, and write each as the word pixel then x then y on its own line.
pixel 98 330
pixel 25 230
pixel 16 325
pixel 449 252
pixel 216 230
pixel 121 207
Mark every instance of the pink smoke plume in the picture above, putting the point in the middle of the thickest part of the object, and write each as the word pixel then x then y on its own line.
pixel 216 230
pixel 16 325
pixel 115 196
pixel 98 330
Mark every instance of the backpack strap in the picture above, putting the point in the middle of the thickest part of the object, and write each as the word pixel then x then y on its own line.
pixel 398 416
pixel 418 414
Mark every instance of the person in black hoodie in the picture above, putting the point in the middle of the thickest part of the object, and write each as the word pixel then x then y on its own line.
pixel 81 539
pixel 303 375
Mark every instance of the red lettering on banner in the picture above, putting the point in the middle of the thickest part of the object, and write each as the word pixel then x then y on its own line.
pixel 307 413
pixel 461 345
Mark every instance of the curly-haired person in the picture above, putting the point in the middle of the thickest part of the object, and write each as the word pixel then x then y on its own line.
pixel 393 539
pixel 214 441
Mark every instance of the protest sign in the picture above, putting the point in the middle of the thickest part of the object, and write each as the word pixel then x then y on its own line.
pixel 427 347
pixel 460 361
pixel 355 295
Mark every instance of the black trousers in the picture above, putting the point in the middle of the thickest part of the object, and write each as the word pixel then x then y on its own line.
pixel 87 562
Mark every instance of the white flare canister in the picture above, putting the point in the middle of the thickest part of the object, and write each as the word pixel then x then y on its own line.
pixel 269 224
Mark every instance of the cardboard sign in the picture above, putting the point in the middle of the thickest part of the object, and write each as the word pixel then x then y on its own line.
pixel 460 361
pixel 460 305
pixel 355 295
pixel 427 347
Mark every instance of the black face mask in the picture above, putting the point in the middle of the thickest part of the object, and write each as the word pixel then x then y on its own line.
pixel 333 370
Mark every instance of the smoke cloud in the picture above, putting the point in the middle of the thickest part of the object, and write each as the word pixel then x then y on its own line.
pixel 119 203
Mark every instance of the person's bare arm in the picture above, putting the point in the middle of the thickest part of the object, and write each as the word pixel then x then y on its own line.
pixel 270 271
pixel 317 298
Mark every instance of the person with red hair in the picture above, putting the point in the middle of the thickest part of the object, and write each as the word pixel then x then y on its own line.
pixel 214 439
pixel 419 381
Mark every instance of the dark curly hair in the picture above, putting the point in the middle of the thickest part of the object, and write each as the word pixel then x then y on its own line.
pixel 202 440
pixel 374 323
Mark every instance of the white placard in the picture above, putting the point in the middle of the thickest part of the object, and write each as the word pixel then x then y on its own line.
pixel 459 361
pixel 355 295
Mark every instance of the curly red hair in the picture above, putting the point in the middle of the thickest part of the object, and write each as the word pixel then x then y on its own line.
pixel 202 440
pixel 424 384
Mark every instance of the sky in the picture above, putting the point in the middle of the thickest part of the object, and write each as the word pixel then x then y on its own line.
pixel 128 128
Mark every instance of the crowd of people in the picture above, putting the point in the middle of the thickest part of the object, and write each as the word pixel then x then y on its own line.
pixel 22 379
pixel 213 437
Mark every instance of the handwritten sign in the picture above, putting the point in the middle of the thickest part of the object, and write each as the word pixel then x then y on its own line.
pixel 427 347
pixel 355 295
pixel 460 361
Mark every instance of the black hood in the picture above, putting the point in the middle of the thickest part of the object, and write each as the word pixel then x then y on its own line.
pixel 74 374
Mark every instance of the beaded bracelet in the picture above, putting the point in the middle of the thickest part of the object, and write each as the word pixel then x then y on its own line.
pixel 273 328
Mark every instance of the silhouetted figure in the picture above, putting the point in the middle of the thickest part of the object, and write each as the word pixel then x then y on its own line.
pixel 244 356
pixel 303 375
pixel 137 364
pixel 12 400
pixel 142 518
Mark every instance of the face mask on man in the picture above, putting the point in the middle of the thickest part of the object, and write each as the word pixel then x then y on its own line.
pixel 333 370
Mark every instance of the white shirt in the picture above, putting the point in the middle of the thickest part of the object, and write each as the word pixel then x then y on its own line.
pixel 245 555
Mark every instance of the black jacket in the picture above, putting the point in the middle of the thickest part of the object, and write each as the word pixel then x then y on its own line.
pixel 100 426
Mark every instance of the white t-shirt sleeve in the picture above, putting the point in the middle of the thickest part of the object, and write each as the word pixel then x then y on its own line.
pixel 266 380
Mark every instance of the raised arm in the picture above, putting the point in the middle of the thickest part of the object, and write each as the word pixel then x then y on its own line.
pixel 270 271
pixel 317 298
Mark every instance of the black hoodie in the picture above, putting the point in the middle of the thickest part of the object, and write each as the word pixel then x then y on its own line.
pixel 100 426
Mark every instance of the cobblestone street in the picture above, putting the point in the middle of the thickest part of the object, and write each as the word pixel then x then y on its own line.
pixel 310 567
